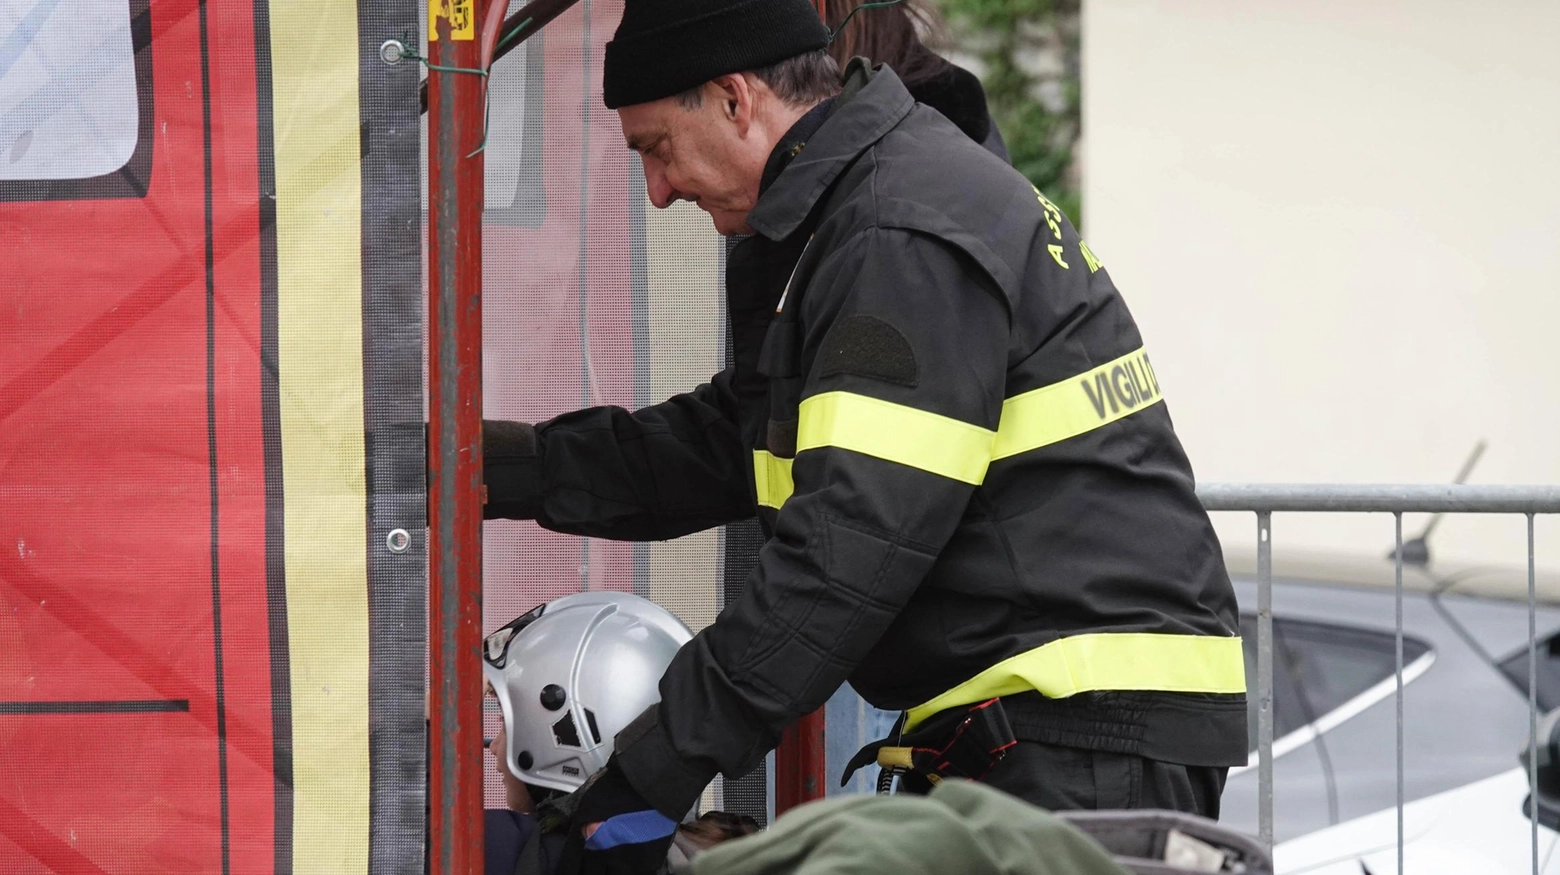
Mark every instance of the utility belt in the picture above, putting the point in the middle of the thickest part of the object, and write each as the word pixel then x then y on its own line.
pixel 1168 697
pixel 968 741
pixel 963 742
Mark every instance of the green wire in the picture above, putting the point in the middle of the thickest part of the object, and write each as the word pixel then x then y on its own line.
pixel 412 55
pixel 836 32
pixel 486 104
pixel 509 38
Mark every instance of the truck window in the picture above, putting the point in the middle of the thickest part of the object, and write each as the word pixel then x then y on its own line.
pixel 75 101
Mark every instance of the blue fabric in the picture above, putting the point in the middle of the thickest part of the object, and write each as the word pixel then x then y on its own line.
pixel 504 834
pixel 631 829
pixel 853 724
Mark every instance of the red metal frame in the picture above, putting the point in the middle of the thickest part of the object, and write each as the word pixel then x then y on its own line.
pixel 455 106
pixel 455 131
pixel 800 764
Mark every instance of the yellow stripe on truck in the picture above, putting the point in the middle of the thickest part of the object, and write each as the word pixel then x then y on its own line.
pixel 314 56
pixel 1104 661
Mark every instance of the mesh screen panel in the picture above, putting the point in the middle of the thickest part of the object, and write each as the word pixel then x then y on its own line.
pixel 590 297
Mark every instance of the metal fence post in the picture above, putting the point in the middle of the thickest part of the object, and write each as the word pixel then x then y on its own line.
pixel 1397 554
pixel 455 129
pixel 1265 679
pixel 1532 594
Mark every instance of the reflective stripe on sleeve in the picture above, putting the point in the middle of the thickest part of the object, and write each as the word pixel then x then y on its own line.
pixel 1054 413
pixel 914 438
pixel 772 476
pixel 1104 661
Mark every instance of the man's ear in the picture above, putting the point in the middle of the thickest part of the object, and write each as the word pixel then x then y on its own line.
pixel 737 98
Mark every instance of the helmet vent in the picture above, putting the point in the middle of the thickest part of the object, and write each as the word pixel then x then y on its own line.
pixel 590 719
pixel 565 733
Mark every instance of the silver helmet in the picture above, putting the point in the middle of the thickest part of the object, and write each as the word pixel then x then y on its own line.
pixel 571 674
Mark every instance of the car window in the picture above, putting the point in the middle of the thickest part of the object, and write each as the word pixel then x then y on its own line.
pixel 1319 667
pixel 76 103
pixel 1515 668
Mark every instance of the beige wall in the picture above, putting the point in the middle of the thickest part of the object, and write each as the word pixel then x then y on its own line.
pixel 1338 224
pixel 686 324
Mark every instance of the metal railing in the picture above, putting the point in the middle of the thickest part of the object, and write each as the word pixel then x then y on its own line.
pixel 1264 500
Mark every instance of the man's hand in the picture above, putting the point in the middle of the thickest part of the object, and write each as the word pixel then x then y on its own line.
pixel 616 832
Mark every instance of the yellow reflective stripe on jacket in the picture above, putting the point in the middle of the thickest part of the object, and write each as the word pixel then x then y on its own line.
pixel 772 476
pixel 915 438
pixel 1104 661
pixel 1044 416
pixel 955 449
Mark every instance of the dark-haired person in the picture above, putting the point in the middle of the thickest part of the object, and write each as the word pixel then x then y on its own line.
pixel 944 417
pixel 893 35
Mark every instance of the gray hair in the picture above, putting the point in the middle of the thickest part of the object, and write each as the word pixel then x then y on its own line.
pixel 803 80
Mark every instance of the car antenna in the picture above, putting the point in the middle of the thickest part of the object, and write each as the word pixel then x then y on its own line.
pixel 1416 551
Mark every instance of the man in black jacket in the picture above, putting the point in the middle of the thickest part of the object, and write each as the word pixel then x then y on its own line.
pixel 943 415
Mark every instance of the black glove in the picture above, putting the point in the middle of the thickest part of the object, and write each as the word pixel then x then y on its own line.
pixel 511 470
pixel 633 838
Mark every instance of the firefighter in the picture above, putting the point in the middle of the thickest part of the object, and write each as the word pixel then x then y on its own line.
pixel 945 419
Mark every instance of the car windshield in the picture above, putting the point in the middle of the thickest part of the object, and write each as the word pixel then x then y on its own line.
pixel 1320 667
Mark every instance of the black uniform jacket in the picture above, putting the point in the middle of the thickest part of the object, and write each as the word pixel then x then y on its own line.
pixel 944 417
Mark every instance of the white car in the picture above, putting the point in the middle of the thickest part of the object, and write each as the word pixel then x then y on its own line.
pixel 1479 829
pixel 1465 725
pixel 1335 776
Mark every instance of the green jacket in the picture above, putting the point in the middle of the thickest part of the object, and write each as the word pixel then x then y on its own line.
pixel 962 827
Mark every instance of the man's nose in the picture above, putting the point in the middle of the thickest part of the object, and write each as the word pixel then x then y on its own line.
pixel 661 192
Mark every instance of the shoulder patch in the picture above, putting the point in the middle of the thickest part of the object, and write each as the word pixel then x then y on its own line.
pixel 866 346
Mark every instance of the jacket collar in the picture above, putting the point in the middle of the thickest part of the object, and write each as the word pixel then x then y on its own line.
pixel 791 144
pixel 872 103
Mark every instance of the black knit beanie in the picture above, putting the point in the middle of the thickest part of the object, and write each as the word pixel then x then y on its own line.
pixel 665 47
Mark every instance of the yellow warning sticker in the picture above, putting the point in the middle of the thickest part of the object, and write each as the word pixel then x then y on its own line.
pixel 461 14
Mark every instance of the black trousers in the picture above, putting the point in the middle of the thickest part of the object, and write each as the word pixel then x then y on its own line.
pixel 1069 779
